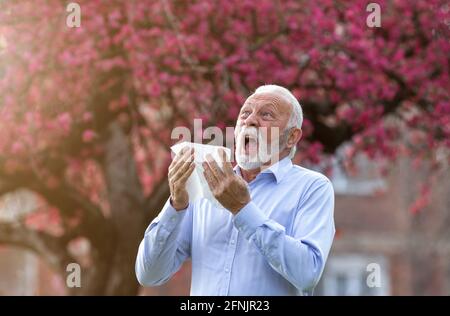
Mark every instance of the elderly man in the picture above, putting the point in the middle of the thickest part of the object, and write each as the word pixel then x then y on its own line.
pixel 276 229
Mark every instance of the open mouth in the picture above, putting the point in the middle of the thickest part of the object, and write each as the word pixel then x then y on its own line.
pixel 250 144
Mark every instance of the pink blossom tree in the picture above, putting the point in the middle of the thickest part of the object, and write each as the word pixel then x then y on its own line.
pixel 86 113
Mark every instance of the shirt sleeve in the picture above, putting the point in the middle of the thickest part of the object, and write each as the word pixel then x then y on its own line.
pixel 166 245
pixel 301 256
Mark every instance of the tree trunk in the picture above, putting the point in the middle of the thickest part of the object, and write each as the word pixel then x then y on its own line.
pixel 126 201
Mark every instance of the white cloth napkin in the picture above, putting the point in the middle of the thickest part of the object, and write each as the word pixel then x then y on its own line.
pixel 196 185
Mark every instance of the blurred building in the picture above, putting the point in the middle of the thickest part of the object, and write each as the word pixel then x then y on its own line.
pixel 376 227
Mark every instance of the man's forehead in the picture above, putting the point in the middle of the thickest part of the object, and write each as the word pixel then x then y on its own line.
pixel 266 98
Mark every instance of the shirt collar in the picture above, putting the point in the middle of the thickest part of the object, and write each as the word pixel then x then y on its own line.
pixel 278 169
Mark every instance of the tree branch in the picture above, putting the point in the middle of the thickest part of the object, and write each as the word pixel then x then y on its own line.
pixel 43 244
pixel 68 200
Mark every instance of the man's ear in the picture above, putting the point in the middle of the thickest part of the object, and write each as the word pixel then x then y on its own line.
pixel 294 137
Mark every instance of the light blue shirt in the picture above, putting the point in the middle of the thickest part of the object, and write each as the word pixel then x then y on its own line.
pixel 276 245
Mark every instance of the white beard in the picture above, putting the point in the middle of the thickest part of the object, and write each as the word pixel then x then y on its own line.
pixel 243 162
pixel 263 154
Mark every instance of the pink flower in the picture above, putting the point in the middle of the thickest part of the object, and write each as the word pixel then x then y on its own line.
pixel 16 148
pixel 65 121
pixel 87 116
pixel 88 136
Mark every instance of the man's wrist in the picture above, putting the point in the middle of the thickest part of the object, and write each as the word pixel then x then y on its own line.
pixel 178 207
pixel 236 211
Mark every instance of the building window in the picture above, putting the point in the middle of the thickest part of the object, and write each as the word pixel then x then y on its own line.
pixel 347 275
pixel 366 182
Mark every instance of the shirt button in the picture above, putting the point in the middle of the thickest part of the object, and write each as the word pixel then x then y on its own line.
pixel 227 270
pixel 232 241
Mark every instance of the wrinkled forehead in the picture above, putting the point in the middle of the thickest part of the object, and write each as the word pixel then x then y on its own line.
pixel 268 98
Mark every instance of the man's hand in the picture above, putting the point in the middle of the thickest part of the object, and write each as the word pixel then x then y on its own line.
pixel 228 188
pixel 179 171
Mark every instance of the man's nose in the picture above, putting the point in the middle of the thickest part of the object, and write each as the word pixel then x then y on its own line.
pixel 251 120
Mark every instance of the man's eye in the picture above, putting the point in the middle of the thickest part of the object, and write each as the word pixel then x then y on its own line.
pixel 267 115
pixel 245 113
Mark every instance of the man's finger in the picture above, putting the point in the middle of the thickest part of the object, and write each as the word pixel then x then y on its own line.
pixel 215 169
pixel 227 167
pixel 174 169
pixel 180 159
pixel 185 153
pixel 175 159
pixel 209 176
pixel 185 158
pixel 179 154
pixel 183 179
pixel 181 170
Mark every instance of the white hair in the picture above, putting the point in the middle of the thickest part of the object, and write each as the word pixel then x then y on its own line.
pixel 296 118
